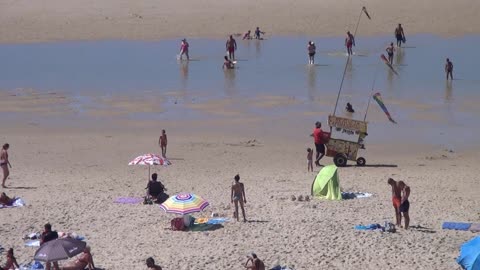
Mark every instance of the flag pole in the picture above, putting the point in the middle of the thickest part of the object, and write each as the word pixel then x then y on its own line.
pixel 371 93
pixel 348 60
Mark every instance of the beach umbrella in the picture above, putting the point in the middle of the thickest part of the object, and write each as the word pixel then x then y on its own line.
pixel 469 257
pixel 150 160
pixel 184 203
pixel 59 249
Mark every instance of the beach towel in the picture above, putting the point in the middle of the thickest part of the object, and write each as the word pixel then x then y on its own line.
pixel 354 195
pixel 18 202
pixel 128 200
pixel 204 227
pixel 459 226
pixel 475 227
pixel 214 221
pixel 368 227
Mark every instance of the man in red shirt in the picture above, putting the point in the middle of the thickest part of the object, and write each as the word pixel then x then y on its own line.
pixel 318 140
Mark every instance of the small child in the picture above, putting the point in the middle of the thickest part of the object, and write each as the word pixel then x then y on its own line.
pixel 163 143
pixel 310 160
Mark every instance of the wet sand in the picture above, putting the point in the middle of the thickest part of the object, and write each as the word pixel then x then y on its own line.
pixel 53 20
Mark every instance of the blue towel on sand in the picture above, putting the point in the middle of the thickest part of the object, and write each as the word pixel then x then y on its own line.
pixel 459 226
pixel 368 227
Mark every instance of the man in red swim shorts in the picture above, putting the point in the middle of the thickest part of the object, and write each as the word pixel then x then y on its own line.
pixel 396 199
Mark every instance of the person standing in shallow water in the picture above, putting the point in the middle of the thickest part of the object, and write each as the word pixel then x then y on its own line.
pixel 399 35
pixel 311 52
pixel 231 46
pixel 184 49
pixel 238 196
pixel 449 69
pixel 349 43
pixel 390 51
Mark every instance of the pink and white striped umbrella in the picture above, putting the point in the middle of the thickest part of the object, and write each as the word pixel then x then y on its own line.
pixel 150 160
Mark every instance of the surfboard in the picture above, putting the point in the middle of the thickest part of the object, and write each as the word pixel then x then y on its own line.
pixel 385 60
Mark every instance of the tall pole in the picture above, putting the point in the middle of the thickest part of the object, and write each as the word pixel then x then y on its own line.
pixel 346 64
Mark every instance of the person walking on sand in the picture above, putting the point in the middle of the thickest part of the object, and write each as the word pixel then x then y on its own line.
pixel 151 264
pixel 309 159
pixel 349 43
pixel 184 49
pixel 5 163
pixel 318 141
pixel 311 52
pixel 254 263
pixel 238 196
pixel 400 35
pixel 404 203
pixel 390 50
pixel 231 47
pixel 449 69
pixel 162 141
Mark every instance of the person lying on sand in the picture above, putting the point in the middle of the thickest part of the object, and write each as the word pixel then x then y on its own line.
pixel 83 261
pixel 151 264
pixel 255 263
pixel 5 200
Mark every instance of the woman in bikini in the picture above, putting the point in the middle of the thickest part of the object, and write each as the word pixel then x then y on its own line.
pixel 163 143
pixel 84 261
pixel 238 196
pixel 4 163
pixel 5 200
pixel 11 261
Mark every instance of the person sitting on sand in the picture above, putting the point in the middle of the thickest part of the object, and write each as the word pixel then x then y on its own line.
pixel 247 35
pixel 227 64
pixel 151 264
pixel 83 261
pixel 49 235
pixel 258 32
pixel 5 200
pixel 155 188
pixel 349 108
pixel 238 196
pixel 404 203
pixel 255 263
pixel 11 261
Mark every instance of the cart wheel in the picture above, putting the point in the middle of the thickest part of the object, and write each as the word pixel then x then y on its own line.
pixel 361 161
pixel 340 160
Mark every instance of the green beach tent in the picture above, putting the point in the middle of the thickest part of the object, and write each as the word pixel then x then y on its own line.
pixel 326 185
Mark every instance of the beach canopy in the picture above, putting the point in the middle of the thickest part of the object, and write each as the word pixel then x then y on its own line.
pixel 326 185
pixel 59 249
pixel 184 203
pixel 469 257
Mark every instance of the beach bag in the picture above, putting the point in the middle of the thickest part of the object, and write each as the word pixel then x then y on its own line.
pixel 177 224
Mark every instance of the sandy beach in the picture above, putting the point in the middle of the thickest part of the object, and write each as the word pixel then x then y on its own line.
pixel 70 141
pixel 70 178
pixel 53 20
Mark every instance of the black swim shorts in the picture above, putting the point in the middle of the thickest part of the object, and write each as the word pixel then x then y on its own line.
pixel 320 148
pixel 404 207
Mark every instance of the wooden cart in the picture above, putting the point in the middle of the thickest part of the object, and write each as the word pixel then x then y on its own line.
pixel 343 150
